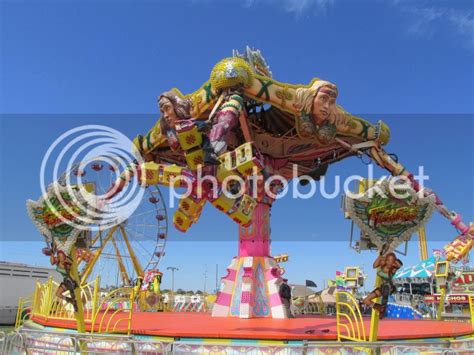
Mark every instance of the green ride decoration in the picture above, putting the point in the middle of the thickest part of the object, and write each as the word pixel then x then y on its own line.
pixel 53 212
pixel 390 217
pixel 61 214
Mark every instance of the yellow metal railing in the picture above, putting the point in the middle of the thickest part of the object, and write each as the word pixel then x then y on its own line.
pixel 18 313
pixel 374 314
pixel 103 314
pixel 64 310
pixel 350 325
pixel 24 309
pixel 114 309
pixel 43 298
pixel 46 304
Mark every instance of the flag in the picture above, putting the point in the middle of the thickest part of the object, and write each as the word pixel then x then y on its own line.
pixel 310 283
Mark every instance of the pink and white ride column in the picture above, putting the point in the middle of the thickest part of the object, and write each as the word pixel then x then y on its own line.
pixel 250 288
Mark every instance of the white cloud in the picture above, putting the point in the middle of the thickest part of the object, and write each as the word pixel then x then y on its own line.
pixel 299 7
pixel 426 19
pixel 463 24
pixel 296 7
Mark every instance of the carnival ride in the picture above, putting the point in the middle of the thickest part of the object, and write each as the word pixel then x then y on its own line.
pixel 264 130
pixel 130 247
pixel 107 261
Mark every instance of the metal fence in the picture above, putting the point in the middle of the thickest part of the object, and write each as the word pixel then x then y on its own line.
pixel 44 342
pixel 350 324
pixel 28 341
pixel 311 348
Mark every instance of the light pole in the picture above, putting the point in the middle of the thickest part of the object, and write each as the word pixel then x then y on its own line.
pixel 173 269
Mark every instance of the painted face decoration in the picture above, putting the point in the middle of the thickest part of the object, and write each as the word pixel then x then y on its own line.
pixel 324 104
pixel 167 112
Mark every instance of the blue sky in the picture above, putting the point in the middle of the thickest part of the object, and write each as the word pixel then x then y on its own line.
pixel 408 63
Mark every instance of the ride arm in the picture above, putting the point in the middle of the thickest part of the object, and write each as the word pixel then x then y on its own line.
pixel 149 173
pixel 284 97
pixel 233 104
pixel 385 161
pixel 269 91
pixel 202 100
pixel 227 118
pixel 150 141
pixel 265 90
pixel 348 125
pixel 130 171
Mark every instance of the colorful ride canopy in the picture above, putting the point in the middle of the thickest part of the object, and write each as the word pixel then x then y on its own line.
pixel 61 214
pixel 278 118
pixel 421 272
pixel 390 212
pixel 242 117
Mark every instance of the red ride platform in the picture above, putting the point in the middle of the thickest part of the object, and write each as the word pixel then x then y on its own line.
pixel 202 325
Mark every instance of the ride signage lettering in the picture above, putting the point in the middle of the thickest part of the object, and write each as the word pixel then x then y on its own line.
pixel 384 215
pixel 449 298
pixel 389 214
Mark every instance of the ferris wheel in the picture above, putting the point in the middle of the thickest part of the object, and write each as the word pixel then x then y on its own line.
pixel 121 252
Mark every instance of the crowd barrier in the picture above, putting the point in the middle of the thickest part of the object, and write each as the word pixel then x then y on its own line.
pixel 29 341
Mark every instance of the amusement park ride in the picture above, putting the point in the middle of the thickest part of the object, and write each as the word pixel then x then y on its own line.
pixel 239 125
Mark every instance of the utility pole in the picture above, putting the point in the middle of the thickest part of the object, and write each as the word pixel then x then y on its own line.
pixel 173 269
